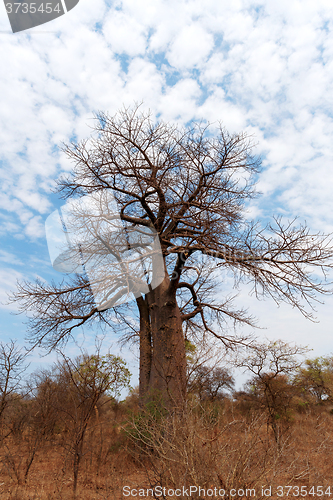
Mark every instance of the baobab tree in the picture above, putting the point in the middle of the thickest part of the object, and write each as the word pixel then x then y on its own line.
pixel 189 186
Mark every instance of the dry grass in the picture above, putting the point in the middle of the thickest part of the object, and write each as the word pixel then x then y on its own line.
pixel 51 478
pixel 231 451
pixel 221 448
pixel 105 466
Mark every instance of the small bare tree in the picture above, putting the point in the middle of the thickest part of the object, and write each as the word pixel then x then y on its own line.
pixel 12 366
pixel 211 384
pixel 207 373
pixel 81 383
pixel 273 365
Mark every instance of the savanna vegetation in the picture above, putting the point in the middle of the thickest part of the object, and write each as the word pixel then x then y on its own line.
pixel 64 433
pixel 156 213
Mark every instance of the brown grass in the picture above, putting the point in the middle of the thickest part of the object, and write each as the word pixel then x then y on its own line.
pixel 219 447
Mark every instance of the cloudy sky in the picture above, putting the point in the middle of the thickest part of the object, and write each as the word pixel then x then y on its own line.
pixel 264 67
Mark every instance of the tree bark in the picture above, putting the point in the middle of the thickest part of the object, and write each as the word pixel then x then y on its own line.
pixel 145 348
pixel 167 378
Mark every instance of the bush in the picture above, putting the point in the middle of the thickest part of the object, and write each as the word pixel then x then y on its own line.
pixel 194 449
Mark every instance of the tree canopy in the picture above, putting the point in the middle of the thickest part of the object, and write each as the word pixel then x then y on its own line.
pixel 190 186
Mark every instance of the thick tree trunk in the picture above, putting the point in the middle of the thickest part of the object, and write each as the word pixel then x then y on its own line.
pixel 167 377
pixel 145 348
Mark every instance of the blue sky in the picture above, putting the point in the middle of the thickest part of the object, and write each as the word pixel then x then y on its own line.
pixel 263 67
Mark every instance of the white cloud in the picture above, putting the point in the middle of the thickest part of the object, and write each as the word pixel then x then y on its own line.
pixel 144 81
pixel 125 34
pixel 10 258
pixel 217 108
pixel 35 228
pixel 273 70
pixel 191 47
pixel 8 279
pixel 257 65
pixel 179 101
